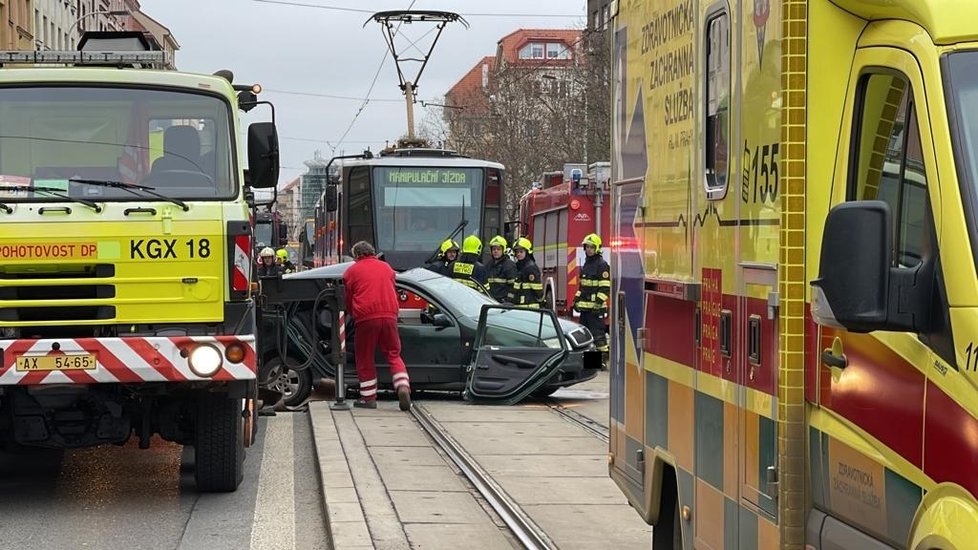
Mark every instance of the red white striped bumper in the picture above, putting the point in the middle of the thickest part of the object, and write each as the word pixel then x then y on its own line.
pixel 130 360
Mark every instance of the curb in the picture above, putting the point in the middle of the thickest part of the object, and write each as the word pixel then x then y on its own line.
pixel 345 519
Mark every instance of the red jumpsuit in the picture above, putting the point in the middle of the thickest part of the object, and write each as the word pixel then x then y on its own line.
pixel 372 300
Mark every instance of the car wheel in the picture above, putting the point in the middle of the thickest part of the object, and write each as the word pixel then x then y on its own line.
pixel 294 385
pixel 545 391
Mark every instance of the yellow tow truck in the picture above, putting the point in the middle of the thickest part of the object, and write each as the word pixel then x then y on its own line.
pixel 125 255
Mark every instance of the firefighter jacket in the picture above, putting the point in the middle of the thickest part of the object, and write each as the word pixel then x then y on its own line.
pixel 528 287
pixel 441 266
pixel 274 270
pixel 467 269
pixel 501 276
pixel 595 286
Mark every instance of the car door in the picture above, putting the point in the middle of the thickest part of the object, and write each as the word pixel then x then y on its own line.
pixel 516 351
pixel 431 342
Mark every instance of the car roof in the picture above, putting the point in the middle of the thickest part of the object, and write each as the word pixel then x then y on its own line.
pixel 336 271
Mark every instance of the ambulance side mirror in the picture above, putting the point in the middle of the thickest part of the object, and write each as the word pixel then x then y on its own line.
pixel 854 267
pixel 858 286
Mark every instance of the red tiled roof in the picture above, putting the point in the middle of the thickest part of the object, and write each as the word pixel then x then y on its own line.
pixel 467 92
pixel 509 45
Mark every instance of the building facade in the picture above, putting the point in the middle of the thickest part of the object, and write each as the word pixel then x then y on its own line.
pixel 16 24
pixel 598 14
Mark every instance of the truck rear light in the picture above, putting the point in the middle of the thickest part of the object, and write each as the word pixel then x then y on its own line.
pixel 241 275
pixel 235 353
pixel 239 246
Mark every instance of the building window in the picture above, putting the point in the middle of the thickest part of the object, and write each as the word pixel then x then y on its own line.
pixel 532 50
pixel 558 50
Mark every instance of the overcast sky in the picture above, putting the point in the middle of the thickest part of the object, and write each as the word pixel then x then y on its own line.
pixel 291 46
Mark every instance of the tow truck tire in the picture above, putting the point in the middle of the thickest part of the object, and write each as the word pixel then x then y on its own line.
pixel 219 444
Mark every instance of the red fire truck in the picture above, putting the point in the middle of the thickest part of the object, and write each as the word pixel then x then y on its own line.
pixel 560 210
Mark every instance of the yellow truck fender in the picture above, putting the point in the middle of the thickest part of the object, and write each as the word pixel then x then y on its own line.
pixel 947 518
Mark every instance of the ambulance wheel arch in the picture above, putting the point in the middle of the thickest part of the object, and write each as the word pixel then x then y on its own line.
pixel 662 497
pixel 660 469
pixel 947 518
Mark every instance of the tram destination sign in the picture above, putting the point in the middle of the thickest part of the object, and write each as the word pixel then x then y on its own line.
pixel 425 175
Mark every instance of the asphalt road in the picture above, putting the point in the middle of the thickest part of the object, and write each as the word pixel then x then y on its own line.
pixel 126 498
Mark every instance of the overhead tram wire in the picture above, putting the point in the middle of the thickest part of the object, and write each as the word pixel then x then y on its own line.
pixel 356 10
pixel 370 90
pixel 330 96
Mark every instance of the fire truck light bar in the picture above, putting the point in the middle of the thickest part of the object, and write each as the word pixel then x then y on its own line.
pixel 70 57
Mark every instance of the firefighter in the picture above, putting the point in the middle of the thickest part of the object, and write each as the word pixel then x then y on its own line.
pixel 468 269
pixel 501 271
pixel 528 287
pixel 282 258
pixel 591 299
pixel 267 267
pixel 447 254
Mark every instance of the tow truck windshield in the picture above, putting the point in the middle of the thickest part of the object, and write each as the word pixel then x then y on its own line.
pixel 114 144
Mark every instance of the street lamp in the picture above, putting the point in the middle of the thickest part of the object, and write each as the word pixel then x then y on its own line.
pixel 78 21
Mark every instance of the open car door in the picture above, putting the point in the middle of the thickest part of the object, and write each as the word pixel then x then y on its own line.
pixel 516 351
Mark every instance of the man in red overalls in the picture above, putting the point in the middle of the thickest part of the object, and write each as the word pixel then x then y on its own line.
pixel 372 300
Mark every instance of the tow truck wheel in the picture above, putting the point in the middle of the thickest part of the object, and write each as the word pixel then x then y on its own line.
pixel 219 444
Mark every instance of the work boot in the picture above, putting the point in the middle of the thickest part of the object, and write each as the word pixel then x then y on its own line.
pixel 365 403
pixel 404 397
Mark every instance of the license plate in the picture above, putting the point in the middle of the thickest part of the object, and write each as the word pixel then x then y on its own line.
pixel 27 363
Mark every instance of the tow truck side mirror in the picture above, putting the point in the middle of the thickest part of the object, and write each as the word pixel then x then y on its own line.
pixel 263 162
pixel 858 287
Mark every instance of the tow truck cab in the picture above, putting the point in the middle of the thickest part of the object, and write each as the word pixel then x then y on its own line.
pixel 125 255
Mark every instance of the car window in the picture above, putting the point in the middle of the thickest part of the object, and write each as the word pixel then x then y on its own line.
pixel 466 301
pixel 520 328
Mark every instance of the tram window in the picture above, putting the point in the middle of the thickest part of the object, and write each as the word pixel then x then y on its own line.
pixel 717 104
pixel 360 210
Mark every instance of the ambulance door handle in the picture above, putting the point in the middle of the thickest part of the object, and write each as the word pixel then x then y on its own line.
pixel 832 360
pixel 140 210
pixel 834 356
pixel 45 209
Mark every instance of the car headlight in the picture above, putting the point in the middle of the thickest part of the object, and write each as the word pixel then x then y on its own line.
pixel 205 360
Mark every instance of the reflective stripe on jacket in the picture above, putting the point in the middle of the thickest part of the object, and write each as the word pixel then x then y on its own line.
pixel 595 285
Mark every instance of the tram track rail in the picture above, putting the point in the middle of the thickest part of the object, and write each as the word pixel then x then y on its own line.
pixel 590 425
pixel 525 530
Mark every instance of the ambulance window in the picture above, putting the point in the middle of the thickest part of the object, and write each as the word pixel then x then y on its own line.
pixel 717 104
pixel 888 164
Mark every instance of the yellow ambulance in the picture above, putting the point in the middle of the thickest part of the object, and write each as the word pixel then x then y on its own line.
pixel 794 248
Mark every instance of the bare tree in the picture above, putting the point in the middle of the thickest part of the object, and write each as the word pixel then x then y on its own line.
pixel 536 118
